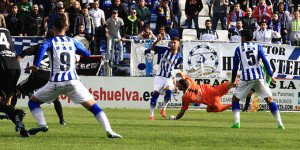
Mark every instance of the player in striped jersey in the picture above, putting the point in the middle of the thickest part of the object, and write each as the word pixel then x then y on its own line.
pixel 170 60
pixel 63 79
pixel 252 76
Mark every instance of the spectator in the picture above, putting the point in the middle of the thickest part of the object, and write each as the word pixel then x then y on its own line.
pixel 99 21
pixel 2 21
pixel 58 5
pixel 208 34
pixel 24 8
pixel 14 22
pixel 219 12
pixel 68 3
pixel 82 32
pixel 49 5
pixel 176 13
pixel 5 8
pixel 73 12
pixel 122 12
pixel 242 3
pixel 132 24
pixel 293 28
pixel 48 21
pixel 146 34
pixel 234 34
pixel 275 26
pixel 262 12
pixel 88 23
pixel 265 35
pixel 256 2
pixel 162 32
pixel 34 22
pixel 164 16
pixel 236 14
pixel 143 13
pixel 283 17
pixel 295 3
pixel 249 22
pixel 192 9
pixel 113 26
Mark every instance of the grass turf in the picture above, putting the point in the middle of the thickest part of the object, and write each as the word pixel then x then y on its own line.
pixel 196 130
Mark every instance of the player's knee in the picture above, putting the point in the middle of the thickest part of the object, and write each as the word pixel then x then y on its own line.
pixel 269 100
pixel 235 99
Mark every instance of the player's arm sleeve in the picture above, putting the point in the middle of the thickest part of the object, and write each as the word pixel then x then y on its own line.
pixel 177 65
pixel 29 51
pixel 80 49
pixel 264 60
pixel 41 53
pixel 236 63
pixel 185 105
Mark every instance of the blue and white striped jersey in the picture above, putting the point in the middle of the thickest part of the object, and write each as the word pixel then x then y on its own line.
pixel 249 55
pixel 61 50
pixel 168 61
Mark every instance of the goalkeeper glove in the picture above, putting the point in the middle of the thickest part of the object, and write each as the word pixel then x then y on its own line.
pixel 172 118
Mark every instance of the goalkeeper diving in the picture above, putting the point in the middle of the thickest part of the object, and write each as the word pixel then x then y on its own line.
pixel 202 93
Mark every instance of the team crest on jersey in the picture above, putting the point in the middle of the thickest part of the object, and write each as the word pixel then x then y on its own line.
pixel 202 61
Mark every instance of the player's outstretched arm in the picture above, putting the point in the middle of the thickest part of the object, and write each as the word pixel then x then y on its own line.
pixel 179 115
pixel 152 47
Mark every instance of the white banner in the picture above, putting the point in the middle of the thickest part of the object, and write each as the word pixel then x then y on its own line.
pixel 205 59
pixel 135 92
pixel 138 64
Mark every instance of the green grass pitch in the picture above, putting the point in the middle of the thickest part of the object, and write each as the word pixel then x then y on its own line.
pixel 196 130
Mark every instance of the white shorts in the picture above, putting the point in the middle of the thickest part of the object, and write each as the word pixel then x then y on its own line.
pixel 74 89
pixel 260 86
pixel 161 83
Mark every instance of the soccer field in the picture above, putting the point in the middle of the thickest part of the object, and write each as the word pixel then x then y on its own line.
pixel 196 130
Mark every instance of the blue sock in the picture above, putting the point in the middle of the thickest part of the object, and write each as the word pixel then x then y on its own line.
pixel 273 107
pixel 154 99
pixel 32 105
pixel 168 95
pixel 100 116
pixel 95 109
pixel 235 105
pixel 236 111
pixel 37 112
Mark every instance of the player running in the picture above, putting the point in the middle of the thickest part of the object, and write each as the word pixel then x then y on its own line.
pixel 164 81
pixel 249 55
pixel 202 93
pixel 63 79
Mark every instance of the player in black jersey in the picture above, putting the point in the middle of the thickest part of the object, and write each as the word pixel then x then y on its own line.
pixel 9 75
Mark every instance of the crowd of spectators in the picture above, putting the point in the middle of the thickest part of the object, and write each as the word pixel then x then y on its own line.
pixel 117 20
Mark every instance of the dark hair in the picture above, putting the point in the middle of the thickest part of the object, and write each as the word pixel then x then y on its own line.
pixel 147 26
pixel 248 34
pixel 167 1
pixel 208 20
pixel 275 13
pixel 263 22
pixel 60 8
pixel 59 24
pixel 14 5
pixel 175 38
pixel 284 9
pixel 239 20
pixel 184 83
pixel 50 34
pixel 296 10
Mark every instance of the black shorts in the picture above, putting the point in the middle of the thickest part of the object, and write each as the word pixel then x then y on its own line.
pixel 8 81
pixel 35 81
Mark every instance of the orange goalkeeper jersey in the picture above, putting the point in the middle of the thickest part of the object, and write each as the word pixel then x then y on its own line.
pixel 194 94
